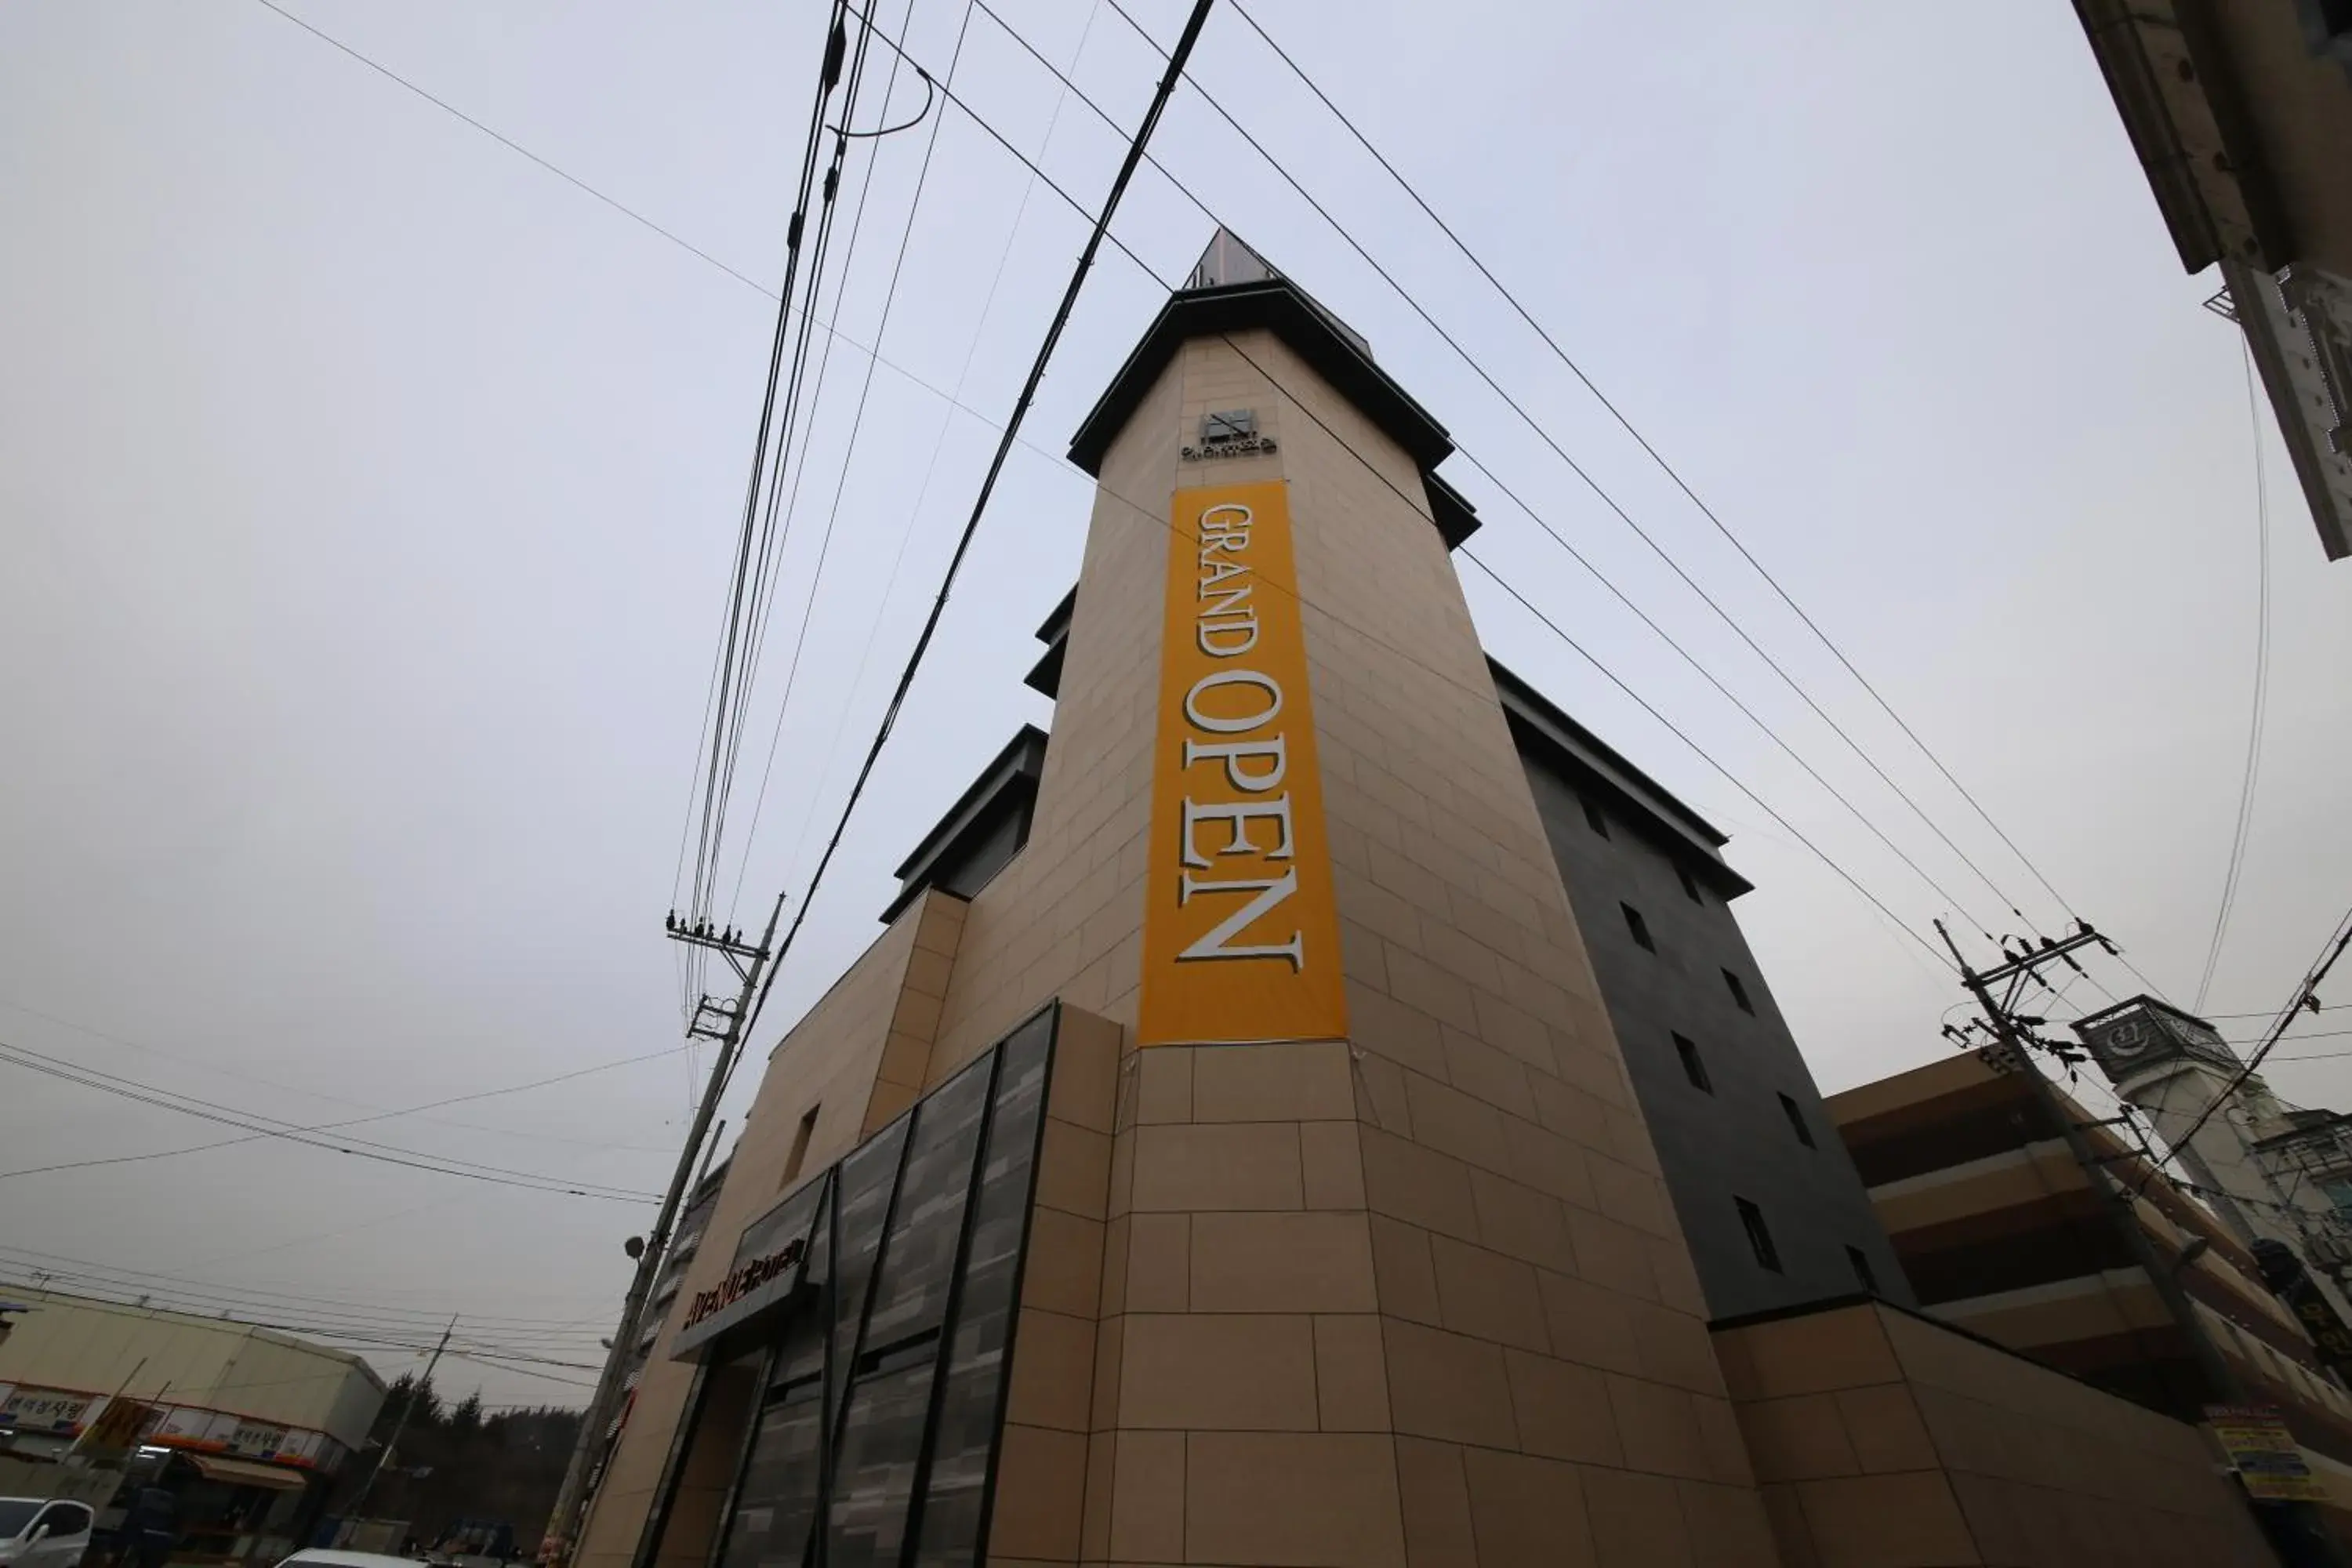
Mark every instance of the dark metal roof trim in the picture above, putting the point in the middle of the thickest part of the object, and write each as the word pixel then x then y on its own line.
pixel 1534 714
pixel 1044 677
pixel 1275 306
pixel 1009 779
pixel 2151 1004
pixel 1057 621
pixel 1456 517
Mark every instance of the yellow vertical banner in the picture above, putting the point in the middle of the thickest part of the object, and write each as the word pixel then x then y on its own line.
pixel 1241 935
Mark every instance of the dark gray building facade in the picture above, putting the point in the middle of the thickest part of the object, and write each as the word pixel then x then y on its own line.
pixel 1768 1196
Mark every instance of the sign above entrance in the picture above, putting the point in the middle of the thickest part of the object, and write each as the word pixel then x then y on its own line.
pixel 771 1263
pixel 1241 937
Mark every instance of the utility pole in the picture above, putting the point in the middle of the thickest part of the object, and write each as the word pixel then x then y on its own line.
pixel 713 1020
pixel 416 1392
pixel 2311 1542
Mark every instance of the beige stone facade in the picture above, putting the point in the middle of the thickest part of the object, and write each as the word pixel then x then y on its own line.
pixel 1883 1440
pixel 1413 1299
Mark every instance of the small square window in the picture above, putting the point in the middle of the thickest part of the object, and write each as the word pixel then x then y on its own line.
pixel 1760 1235
pixel 1797 1122
pixel 1738 991
pixel 1638 927
pixel 1593 817
pixel 801 1136
pixel 1864 1276
pixel 1690 883
pixel 1694 1066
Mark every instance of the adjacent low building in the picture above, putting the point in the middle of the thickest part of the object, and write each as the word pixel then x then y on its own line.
pixel 2006 1235
pixel 245 1424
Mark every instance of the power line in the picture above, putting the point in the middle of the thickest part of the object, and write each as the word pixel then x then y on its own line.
pixel 510 145
pixel 1544 523
pixel 743 581
pixel 1149 271
pixel 2242 830
pixel 507 1360
pixel 1562 634
pixel 2305 994
pixel 1127 165
pixel 325 1126
pixel 1705 511
pixel 354 1331
pixel 375 1112
pixel 1598 491
pixel 776 538
pixel 938 446
pixel 522 1351
pixel 188 1105
pixel 955 401
pixel 951 398
pixel 282 1302
pixel 2273 1012
pixel 856 425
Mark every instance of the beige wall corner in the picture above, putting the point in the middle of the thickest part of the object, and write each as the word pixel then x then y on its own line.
pixel 1039 1513
pixel 1882 1438
pixel 851 1064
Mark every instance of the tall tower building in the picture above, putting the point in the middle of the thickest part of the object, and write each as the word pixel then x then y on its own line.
pixel 1227 1153
pixel 2270 1170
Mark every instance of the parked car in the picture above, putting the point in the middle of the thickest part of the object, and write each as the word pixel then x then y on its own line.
pixel 40 1533
pixel 328 1557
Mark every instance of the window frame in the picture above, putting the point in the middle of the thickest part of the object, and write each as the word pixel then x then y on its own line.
pixel 57 1508
pixel 1694 1064
pixel 1739 997
pixel 1760 1241
pixel 1863 1274
pixel 1638 927
pixel 1796 1115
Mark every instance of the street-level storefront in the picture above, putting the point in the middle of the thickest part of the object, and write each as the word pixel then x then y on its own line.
pixel 242 1426
pixel 856 1355
pixel 230 1510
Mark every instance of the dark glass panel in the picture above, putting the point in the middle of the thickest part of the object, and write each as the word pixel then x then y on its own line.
pixel 911 1295
pixel 881 1441
pixel 802 1355
pixel 867 1177
pixel 777 1499
pixel 780 1225
pixel 965 1436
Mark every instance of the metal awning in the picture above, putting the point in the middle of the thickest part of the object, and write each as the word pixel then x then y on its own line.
pixel 246 1473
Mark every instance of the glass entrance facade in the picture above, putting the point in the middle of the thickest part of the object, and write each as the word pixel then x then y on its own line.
pixel 882 1372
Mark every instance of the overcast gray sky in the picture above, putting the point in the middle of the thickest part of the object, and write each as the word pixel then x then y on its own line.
pixel 369 491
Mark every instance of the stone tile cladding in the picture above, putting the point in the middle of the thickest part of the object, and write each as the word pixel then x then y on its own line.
pixel 854 1059
pixel 1416 1298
